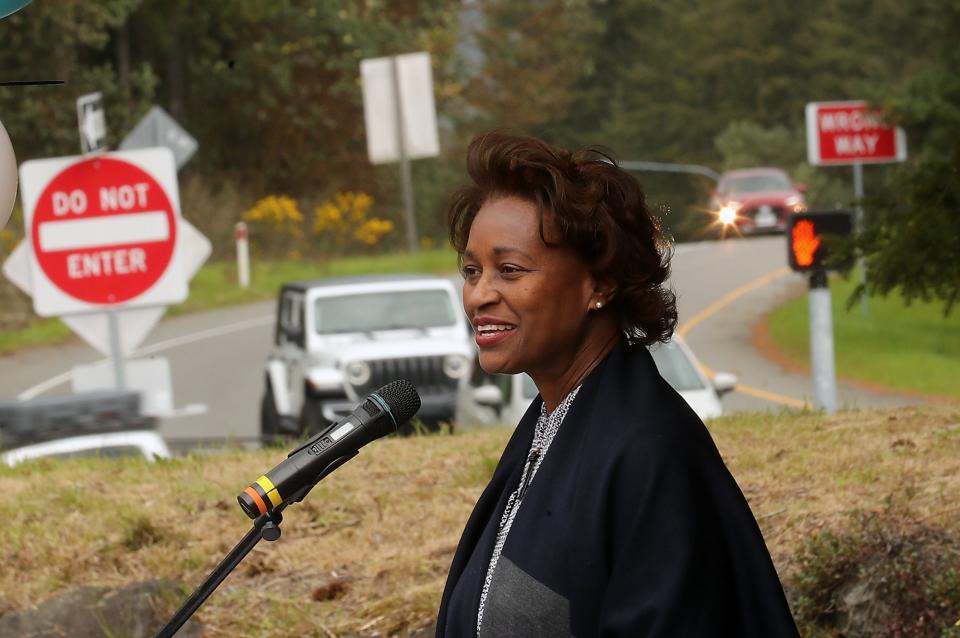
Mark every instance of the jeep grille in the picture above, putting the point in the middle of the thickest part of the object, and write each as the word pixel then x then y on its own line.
pixel 425 373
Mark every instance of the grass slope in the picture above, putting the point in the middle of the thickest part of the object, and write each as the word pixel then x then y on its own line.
pixel 913 348
pixel 387 523
pixel 215 286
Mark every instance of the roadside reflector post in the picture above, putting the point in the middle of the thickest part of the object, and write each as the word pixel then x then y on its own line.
pixel 821 344
pixel 243 254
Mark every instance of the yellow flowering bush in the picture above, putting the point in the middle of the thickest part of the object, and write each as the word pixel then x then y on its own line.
pixel 342 222
pixel 344 219
pixel 275 224
pixel 277 211
pixel 372 230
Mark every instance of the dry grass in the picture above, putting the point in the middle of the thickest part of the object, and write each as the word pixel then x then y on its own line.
pixel 369 549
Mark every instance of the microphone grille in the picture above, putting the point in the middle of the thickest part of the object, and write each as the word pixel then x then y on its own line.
pixel 402 398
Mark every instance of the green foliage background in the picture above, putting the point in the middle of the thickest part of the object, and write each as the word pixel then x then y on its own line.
pixel 271 91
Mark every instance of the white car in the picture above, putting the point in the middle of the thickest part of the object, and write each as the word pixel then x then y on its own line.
pixel 96 423
pixel 503 399
pixel 146 443
pixel 337 340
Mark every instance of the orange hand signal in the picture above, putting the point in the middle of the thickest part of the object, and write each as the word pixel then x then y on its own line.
pixel 805 242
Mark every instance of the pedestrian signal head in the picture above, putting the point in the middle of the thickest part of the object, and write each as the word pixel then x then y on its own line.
pixel 809 235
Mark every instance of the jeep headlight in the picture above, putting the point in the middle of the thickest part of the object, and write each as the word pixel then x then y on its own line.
pixel 357 372
pixel 455 366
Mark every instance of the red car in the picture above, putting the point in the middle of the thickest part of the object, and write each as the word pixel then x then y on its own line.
pixel 757 200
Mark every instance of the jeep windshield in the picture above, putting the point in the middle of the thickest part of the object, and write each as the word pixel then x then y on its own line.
pixel 370 312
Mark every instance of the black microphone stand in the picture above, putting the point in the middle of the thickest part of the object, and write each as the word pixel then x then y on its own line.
pixel 266 527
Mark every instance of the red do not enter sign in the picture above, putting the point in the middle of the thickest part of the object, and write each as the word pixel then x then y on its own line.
pixel 103 231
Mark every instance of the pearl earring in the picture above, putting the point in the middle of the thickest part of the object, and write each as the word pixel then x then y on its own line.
pixel 599 304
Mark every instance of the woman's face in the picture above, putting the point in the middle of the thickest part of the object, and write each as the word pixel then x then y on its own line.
pixel 528 302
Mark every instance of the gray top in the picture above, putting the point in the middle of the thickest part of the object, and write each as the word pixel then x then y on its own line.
pixel 543 434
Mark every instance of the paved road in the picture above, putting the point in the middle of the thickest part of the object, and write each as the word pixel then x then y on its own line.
pixel 711 272
pixel 217 357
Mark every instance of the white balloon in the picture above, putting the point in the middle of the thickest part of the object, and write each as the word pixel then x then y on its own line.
pixel 8 177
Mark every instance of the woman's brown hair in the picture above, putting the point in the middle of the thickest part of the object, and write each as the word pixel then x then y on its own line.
pixel 599 210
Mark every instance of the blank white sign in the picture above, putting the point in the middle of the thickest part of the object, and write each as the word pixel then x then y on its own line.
pixel 416 99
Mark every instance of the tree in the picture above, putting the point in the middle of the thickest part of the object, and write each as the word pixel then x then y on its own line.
pixel 912 235
pixel 67 41
pixel 533 55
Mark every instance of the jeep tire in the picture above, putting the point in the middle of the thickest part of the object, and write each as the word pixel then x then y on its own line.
pixel 312 420
pixel 269 417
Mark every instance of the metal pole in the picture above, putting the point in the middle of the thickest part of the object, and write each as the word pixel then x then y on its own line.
pixel 116 353
pixel 821 344
pixel 406 180
pixel 858 199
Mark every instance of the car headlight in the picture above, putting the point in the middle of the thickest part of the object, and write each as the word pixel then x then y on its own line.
pixel 357 372
pixel 455 366
pixel 728 214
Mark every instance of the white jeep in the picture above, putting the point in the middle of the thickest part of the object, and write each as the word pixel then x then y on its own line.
pixel 337 340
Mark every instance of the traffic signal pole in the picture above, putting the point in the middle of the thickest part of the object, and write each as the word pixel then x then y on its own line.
pixel 808 246
pixel 821 344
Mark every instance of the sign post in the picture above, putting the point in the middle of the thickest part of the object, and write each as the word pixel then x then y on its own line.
pixel 851 133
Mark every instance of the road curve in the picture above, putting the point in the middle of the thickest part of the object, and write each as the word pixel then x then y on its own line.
pixel 723 288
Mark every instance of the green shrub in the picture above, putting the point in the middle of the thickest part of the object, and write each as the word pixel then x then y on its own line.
pixel 886 574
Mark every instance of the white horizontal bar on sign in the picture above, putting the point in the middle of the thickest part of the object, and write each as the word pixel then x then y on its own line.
pixel 97 232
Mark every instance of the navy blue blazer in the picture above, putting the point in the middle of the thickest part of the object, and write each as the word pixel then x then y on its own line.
pixel 633 526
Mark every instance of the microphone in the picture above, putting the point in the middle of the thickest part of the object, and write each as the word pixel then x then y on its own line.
pixel 380 414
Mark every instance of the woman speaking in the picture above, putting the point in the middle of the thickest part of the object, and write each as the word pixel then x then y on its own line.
pixel 610 512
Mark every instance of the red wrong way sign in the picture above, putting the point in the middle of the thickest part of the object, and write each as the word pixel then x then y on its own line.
pixel 103 231
pixel 840 133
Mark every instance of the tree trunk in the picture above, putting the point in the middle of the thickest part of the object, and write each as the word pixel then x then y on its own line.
pixel 122 51
pixel 174 64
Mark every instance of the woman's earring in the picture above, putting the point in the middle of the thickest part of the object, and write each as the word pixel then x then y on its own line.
pixel 599 305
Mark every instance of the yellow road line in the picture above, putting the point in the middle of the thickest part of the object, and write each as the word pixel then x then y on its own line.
pixel 762 394
pixel 728 298
pixel 721 303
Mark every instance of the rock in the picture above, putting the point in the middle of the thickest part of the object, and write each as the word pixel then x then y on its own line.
pixel 862 611
pixel 138 610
